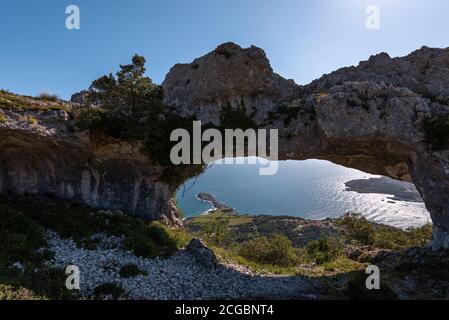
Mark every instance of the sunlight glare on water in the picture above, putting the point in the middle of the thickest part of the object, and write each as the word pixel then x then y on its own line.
pixel 312 189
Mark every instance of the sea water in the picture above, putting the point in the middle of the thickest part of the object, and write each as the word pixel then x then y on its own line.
pixel 312 189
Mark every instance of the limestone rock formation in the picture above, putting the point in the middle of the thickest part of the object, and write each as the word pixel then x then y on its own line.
pixel 370 117
pixel 202 253
pixel 47 156
pixel 425 71
pixel 229 75
pixel 79 97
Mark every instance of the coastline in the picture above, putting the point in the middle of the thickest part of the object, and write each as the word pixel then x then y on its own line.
pixel 396 192
pixel 394 189
pixel 214 203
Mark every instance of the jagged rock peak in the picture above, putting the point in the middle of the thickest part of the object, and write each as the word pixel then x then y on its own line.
pixel 227 72
pixel 424 71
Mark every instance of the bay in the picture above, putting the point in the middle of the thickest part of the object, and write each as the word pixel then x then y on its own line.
pixel 312 189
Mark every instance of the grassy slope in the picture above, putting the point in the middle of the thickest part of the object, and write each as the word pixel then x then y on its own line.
pixel 22 234
pixel 9 100
pixel 320 255
pixel 320 251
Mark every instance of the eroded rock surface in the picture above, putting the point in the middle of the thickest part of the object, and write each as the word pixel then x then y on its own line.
pixel 369 117
pixel 229 75
pixel 48 157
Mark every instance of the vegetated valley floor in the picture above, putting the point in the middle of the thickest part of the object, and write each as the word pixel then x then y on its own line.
pixel 250 257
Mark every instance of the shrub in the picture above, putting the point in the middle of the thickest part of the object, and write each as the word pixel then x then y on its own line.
pixel 32 120
pixel 322 250
pixel 148 240
pixel 277 250
pixel 20 237
pixel 24 218
pixel 129 107
pixel 3 118
pixel 48 97
pixel 224 52
pixel 282 252
pixel 443 100
pixel 130 270
pixel 382 236
pixel 396 239
pixel 217 232
pixel 358 228
pixel 419 236
pixel 236 118
pixel 8 292
pixel 290 112
pixel 437 131
pixel 105 290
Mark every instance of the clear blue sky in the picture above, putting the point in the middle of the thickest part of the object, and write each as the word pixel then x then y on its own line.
pixel 303 38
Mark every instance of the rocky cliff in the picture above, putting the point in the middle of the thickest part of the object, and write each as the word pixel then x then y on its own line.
pixel 370 117
pixel 43 154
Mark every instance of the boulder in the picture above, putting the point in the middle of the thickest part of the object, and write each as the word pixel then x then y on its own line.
pixel 202 253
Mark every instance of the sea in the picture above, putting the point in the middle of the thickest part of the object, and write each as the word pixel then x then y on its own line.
pixel 311 189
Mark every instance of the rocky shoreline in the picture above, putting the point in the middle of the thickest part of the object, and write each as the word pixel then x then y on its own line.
pixel 216 205
pixel 397 190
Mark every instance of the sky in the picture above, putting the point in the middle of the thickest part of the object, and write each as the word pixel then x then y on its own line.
pixel 303 39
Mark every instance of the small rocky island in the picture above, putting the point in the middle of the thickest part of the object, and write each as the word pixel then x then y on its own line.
pixel 216 205
pixel 400 190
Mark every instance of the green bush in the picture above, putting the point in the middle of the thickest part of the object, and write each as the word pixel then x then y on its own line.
pixel 22 225
pixel 290 113
pixel 236 118
pixel 109 289
pixel 397 239
pixel 277 250
pixel 48 97
pixel 361 230
pixel 129 107
pixel 26 218
pixel 20 237
pixel 8 292
pixel 437 131
pixel 150 241
pixel 217 232
pixel 130 270
pixel 322 250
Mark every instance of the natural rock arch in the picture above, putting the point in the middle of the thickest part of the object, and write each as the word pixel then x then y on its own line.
pixel 370 117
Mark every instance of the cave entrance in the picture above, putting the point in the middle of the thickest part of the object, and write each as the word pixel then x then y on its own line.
pixel 311 189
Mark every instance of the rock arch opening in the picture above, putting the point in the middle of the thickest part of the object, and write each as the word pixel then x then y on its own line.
pixel 368 117
pixel 311 189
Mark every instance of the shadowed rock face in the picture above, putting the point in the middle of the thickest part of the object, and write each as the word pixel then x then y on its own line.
pixel 108 175
pixel 368 117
